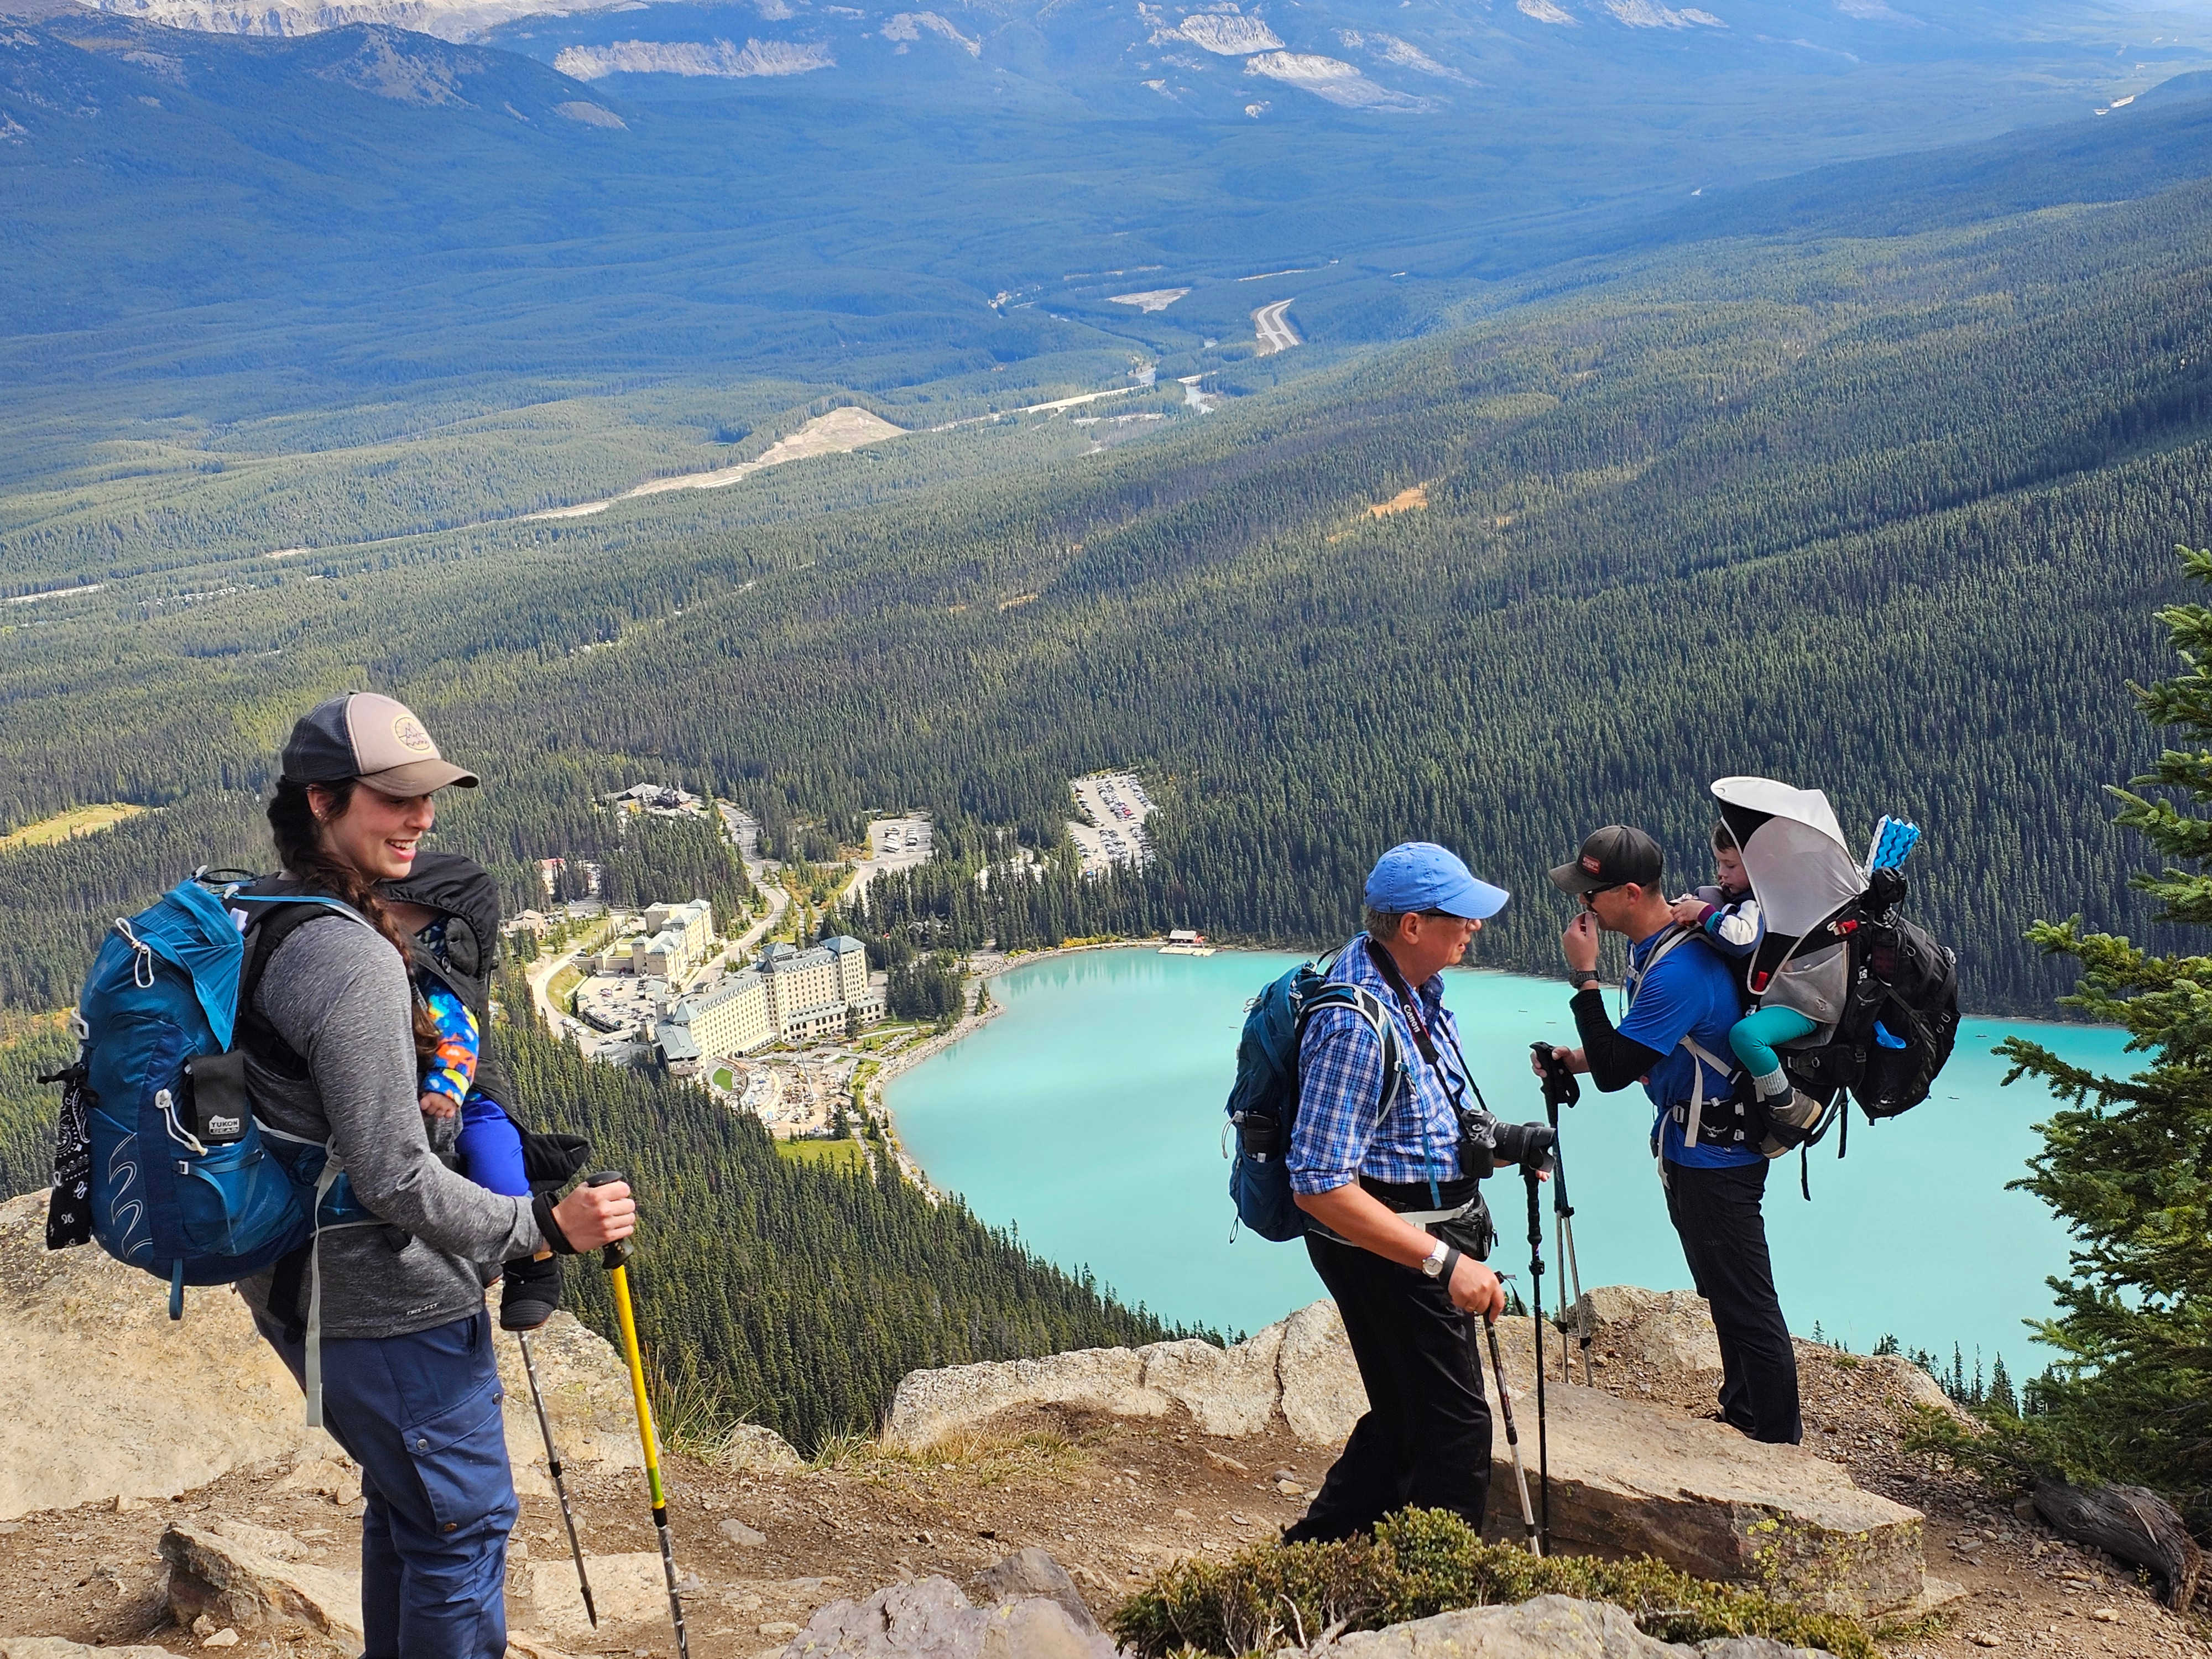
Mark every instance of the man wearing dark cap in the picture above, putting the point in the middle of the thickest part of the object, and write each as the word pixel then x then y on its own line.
pixel 1682 999
pixel 1377 1171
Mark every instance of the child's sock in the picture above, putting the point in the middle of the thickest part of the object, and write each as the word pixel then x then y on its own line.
pixel 1773 1084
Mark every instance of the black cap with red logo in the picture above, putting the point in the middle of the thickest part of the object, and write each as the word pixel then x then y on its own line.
pixel 1611 857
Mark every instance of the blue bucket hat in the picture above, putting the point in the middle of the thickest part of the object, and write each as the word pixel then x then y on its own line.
pixel 1419 875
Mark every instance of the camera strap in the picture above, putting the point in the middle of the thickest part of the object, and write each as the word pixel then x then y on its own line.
pixel 1386 965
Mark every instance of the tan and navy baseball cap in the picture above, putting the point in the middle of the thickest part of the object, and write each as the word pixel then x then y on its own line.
pixel 374 738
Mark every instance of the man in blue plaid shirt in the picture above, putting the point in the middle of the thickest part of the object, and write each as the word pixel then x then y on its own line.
pixel 1376 1176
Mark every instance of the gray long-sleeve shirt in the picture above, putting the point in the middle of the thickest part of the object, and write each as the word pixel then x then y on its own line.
pixel 338 993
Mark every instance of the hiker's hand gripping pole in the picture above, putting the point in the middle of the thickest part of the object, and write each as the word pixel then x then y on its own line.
pixel 617 1258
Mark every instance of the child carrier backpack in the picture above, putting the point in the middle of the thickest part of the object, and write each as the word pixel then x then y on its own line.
pixel 159 1158
pixel 1263 1103
pixel 1900 1020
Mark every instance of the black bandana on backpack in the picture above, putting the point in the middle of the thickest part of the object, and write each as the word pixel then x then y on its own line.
pixel 69 1207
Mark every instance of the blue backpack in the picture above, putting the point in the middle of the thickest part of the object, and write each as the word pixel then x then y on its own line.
pixel 159 1157
pixel 1263 1103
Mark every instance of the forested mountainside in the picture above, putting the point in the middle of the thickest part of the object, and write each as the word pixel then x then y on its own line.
pixel 793 1294
pixel 1885 516
pixel 445 259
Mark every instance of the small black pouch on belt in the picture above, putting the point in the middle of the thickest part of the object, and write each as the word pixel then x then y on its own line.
pixel 1470 1234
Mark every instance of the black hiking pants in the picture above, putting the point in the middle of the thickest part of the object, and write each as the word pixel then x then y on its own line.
pixel 1424 1442
pixel 1717 1214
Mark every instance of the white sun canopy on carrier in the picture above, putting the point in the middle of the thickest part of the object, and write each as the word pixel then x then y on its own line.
pixel 1793 852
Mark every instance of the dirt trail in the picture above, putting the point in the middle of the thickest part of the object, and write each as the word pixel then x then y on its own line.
pixel 838 433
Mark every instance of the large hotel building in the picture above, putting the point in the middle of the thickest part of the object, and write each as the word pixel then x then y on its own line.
pixel 790 995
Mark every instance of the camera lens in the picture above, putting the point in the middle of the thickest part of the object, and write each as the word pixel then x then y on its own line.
pixel 1528 1145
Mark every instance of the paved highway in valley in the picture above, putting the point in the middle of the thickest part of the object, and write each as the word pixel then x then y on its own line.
pixel 1274 329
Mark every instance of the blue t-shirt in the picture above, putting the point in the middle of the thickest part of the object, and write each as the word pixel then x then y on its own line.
pixel 1691 992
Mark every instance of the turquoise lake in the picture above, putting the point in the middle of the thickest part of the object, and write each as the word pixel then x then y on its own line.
pixel 1089 1114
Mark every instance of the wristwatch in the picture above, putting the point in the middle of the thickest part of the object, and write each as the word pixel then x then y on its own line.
pixel 1582 979
pixel 1433 1263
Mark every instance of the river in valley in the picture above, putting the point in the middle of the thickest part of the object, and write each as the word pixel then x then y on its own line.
pixel 1089 1114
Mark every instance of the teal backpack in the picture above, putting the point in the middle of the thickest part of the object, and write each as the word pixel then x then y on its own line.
pixel 1263 1103
pixel 159 1158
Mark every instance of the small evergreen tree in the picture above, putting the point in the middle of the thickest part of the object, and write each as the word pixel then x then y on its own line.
pixel 2127 1164
pixel 2000 1397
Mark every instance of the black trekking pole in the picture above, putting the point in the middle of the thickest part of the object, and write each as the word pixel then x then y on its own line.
pixel 1560 1089
pixel 553 1465
pixel 1512 1434
pixel 617 1258
pixel 1529 1178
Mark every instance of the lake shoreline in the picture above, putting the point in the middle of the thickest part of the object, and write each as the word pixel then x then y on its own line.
pixel 1091 1122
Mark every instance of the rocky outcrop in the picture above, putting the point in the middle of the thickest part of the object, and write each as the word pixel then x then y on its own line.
pixel 752 1447
pixel 1549 1628
pixel 931 1619
pixel 107 1397
pixel 628 1587
pixel 1233 1391
pixel 1318 1386
pixel 586 1396
pixel 110 1398
pixel 1032 1572
pixel 1627 1478
pixel 250 1578
pixel 258 1582
pixel 1670 1329
pixel 932 1405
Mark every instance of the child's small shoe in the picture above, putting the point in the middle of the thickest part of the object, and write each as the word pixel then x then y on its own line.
pixel 1791 1118
pixel 530 1293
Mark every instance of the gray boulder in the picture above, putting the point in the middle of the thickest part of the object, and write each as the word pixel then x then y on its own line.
pixel 1672 1330
pixel 251 1578
pixel 1032 1572
pixel 1549 1628
pixel 109 1398
pixel 1629 1479
pixel 932 1620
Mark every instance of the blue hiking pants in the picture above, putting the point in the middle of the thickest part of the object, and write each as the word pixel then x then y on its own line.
pixel 421 1414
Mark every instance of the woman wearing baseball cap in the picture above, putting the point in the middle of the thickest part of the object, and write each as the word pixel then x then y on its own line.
pixel 394 1285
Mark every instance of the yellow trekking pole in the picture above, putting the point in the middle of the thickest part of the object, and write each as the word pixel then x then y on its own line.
pixel 617 1258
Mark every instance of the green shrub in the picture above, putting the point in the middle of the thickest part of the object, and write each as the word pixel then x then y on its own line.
pixel 1427 1561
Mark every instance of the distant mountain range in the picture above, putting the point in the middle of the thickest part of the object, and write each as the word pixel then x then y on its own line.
pixel 1224 57
pixel 1007 201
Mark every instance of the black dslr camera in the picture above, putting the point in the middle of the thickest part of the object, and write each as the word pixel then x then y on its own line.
pixel 1485 1143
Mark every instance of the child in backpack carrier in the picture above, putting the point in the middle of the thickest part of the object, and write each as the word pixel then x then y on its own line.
pixel 1724 911
pixel 489 1144
pixel 1728 915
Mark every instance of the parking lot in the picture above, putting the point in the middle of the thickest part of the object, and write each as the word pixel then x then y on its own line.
pixel 617 1004
pixel 1112 830
pixel 894 844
